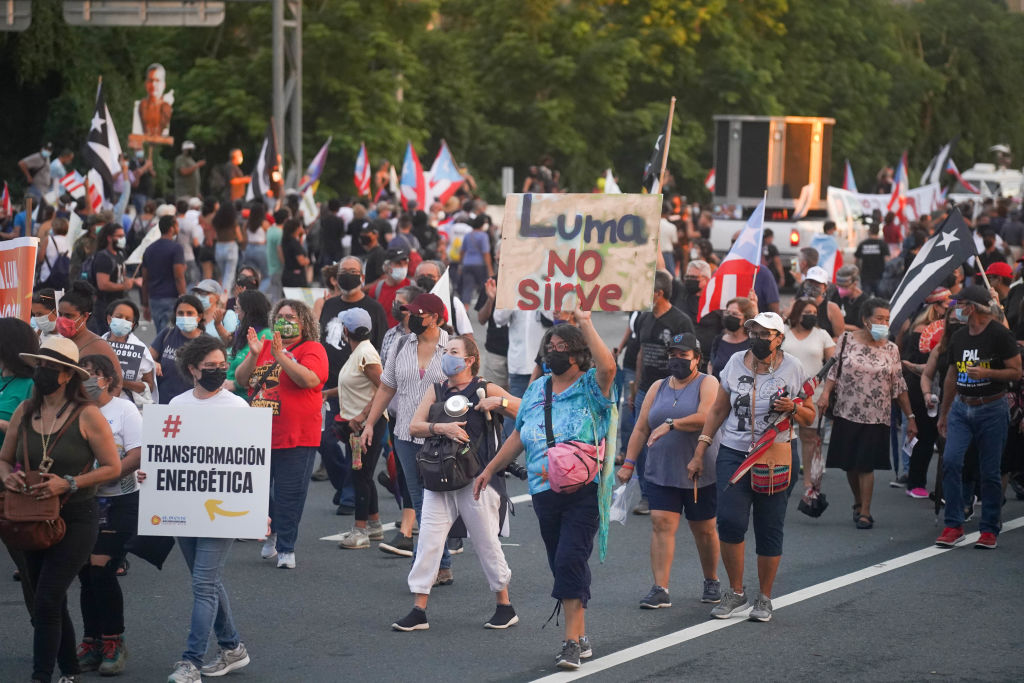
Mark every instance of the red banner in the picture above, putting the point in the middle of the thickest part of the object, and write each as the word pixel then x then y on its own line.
pixel 17 272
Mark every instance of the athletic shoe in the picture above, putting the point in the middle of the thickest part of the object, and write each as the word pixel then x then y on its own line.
pixel 504 616
pixel 355 538
pixel 415 527
pixel 90 654
pixel 416 620
pixel 227 661
pixel 345 511
pixel 900 482
pixel 656 598
pixel 374 530
pixel 712 592
pixel 319 474
pixel 731 603
pixel 919 492
pixel 987 541
pixel 444 577
pixel 397 545
pixel 569 657
pixel 455 546
pixel 950 536
pixel 114 656
pixel 269 547
pixel 762 610
pixel 586 652
pixel 286 561
pixel 642 508
pixel 185 672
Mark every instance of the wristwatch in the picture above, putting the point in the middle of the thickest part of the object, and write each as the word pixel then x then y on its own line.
pixel 504 403
pixel 669 422
pixel 71 482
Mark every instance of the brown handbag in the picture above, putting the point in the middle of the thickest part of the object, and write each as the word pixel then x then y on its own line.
pixel 27 523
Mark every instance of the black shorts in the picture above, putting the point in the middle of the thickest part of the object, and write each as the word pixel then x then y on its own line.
pixel 118 523
pixel 680 501
pixel 205 254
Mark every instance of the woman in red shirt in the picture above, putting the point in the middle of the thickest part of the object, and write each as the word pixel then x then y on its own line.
pixel 286 374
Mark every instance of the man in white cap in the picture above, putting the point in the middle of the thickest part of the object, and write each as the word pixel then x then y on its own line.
pixel 830 316
pixel 186 171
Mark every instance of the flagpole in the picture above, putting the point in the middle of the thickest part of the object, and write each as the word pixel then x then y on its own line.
pixel 668 140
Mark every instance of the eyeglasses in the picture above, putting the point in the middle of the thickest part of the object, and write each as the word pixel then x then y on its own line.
pixel 213 366
pixel 761 335
pixel 557 347
pixel 289 318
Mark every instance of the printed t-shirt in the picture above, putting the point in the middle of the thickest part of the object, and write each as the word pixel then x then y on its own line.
pixel 297 411
pixel 990 349
pixel 126 424
pixel 738 381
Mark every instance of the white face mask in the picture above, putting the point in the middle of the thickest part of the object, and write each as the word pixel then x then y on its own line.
pixel 44 324
pixel 121 242
pixel 399 274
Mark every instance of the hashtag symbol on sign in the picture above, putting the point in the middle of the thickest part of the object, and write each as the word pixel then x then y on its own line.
pixel 172 425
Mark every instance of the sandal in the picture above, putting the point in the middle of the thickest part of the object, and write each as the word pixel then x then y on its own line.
pixel 864 521
pixel 856 511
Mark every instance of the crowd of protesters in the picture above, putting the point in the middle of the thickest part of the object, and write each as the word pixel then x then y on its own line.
pixel 381 371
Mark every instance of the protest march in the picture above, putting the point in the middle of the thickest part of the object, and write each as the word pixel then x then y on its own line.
pixel 204 363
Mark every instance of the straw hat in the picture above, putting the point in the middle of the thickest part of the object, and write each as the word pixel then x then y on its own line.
pixel 57 349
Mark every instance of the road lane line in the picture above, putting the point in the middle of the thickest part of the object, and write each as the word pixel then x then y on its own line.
pixel 678 637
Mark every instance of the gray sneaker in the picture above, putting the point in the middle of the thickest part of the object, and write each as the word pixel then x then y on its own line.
pixel 730 604
pixel 762 610
pixel 374 530
pixel 355 538
pixel 569 657
pixel 712 592
pixel 656 598
pixel 586 652
pixel 227 661
pixel 185 672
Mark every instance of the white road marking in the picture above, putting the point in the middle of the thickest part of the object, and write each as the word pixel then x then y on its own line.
pixel 678 637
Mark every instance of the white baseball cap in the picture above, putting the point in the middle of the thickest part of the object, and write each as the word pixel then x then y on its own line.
pixel 767 320
pixel 818 274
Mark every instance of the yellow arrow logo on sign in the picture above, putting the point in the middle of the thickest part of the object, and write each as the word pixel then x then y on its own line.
pixel 213 508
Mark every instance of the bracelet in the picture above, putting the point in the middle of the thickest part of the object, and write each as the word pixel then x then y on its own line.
pixel 910 416
pixel 705 438
pixel 431 428
pixel 627 465
pixel 629 462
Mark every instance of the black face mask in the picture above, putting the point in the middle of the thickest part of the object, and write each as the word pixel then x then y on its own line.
pixel 680 368
pixel 808 321
pixel 365 240
pixel 558 362
pixel 691 286
pixel 349 281
pixel 416 325
pixel 212 379
pixel 731 323
pixel 425 282
pixel 47 380
pixel 396 311
pixel 761 348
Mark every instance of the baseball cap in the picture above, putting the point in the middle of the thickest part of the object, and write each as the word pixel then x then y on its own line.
pixel 354 318
pixel 817 274
pixel 427 303
pixel 687 341
pixel 209 286
pixel 975 294
pixel 768 320
pixel 847 275
pixel 396 255
pixel 1000 269
pixel 188 144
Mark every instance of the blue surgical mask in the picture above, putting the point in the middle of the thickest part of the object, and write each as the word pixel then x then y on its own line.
pixel 186 324
pixel 230 321
pixel 120 327
pixel 399 273
pixel 452 365
pixel 960 314
pixel 205 302
pixel 45 153
pixel 879 332
pixel 44 324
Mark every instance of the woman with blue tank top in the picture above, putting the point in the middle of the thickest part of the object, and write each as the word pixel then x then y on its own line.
pixel 670 420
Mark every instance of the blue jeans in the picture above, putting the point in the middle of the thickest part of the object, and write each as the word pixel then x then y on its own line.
pixel 627 417
pixel 255 255
pixel 337 459
pixel 736 501
pixel 211 609
pixel 290 469
pixel 226 255
pixel 986 426
pixel 406 451
pixel 162 312
pixel 517 387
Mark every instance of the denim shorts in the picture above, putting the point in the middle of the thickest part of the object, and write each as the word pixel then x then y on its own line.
pixel 736 501
pixel 679 500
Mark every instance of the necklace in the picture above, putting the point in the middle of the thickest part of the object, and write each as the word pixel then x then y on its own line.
pixel 677 393
pixel 46 461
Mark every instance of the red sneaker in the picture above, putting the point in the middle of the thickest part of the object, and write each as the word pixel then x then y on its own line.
pixel 950 536
pixel 987 541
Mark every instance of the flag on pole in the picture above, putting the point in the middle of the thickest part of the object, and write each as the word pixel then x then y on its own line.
pixel 393 187
pixel 849 184
pixel 651 179
pixel 260 178
pixel 950 246
pixel 803 202
pixel 830 257
pixel 735 277
pixel 414 183
pixel 102 148
pixel 709 181
pixel 933 172
pixel 94 189
pixel 362 172
pixel 316 167
pixel 955 172
pixel 445 178
pixel 74 184
pixel 5 200
pixel 310 211
pixel 610 186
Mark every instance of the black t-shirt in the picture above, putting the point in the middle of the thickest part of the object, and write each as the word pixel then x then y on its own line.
pixel 1012 306
pixel 145 186
pixel 355 227
pixel 333 339
pixel 374 263
pixel 871 253
pixel 633 344
pixel 294 274
pixel 496 340
pixel 707 330
pixel 852 309
pixel 112 265
pixel 768 253
pixel 990 349
pixel 654 334
pixel 331 230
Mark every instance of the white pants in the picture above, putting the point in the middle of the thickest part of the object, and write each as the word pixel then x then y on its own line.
pixel 440 510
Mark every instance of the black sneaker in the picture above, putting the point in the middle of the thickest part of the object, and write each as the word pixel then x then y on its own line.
pixel 416 620
pixel 656 598
pixel 569 657
pixel 455 546
pixel 397 545
pixel 504 616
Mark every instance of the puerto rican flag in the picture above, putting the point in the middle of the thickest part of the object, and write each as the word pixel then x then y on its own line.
pixel 829 256
pixel 362 171
pixel 955 172
pixel 849 184
pixel 709 181
pixel 5 200
pixel 74 184
pixel 94 188
pixel 445 178
pixel 316 168
pixel 898 200
pixel 414 183
pixel 735 277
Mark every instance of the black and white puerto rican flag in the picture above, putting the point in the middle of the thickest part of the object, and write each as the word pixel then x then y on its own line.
pixel 102 148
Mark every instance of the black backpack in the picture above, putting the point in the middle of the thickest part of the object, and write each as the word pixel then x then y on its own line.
pixel 59 270
pixel 445 464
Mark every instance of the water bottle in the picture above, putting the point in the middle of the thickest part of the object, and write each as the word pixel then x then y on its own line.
pixel 933 405
pixel 356 445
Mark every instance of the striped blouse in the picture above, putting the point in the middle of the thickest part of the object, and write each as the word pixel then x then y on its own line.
pixel 402 373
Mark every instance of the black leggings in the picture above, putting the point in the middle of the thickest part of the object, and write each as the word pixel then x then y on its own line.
pixel 51 572
pixel 362 479
pixel 102 600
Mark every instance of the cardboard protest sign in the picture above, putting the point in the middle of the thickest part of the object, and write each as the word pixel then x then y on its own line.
pixel 130 357
pixel 307 295
pixel 17 272
pixel 207 471
pixel 595 250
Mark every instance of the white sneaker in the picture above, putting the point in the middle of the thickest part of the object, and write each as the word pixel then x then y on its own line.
pixel 355 538
pixel 227 661
pixel 269 547
pixel 185 672
pixel 286 561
